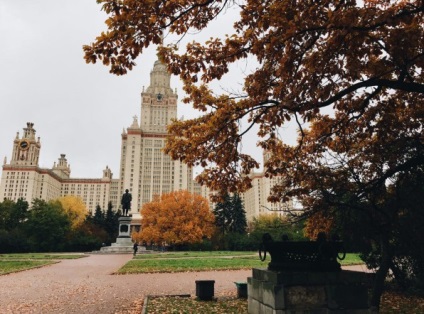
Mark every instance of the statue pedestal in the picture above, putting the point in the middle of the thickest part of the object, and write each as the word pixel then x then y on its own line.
pixel 124 227
pixel 280 292
pixel 123 242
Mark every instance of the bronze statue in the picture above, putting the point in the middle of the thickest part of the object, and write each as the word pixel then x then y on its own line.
pixel 126 202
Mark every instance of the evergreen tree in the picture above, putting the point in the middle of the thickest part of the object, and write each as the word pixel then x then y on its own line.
pixel 230 215
pixel 12 236
pixel 222 212
pixel 111 223
pixel 19 213
pixel 99 216
pixel 239 223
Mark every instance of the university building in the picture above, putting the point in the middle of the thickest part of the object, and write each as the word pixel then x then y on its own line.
pixel 144 169
pixel 255 199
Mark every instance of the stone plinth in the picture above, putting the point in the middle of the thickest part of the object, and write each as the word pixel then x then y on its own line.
pixel 307 292
pixel 124 227
pixel 123 242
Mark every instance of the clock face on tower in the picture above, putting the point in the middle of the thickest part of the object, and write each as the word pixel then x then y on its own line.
pixel 24 144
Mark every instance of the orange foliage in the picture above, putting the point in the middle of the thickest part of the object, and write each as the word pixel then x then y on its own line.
pixel 318 222
pixel 176 218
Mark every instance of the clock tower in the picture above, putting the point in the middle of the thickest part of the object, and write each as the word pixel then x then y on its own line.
pixel 158 102
pixel 26 150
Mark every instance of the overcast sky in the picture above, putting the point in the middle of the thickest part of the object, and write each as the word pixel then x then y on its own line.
pixel 78 109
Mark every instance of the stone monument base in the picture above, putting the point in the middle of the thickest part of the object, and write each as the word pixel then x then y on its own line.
pixel 123 242
pixel 116 249
pixel 279 292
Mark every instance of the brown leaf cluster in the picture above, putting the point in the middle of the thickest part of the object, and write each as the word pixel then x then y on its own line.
pixel 318 222
pixel 360 61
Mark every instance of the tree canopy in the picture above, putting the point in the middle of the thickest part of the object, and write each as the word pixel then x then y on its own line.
pixel 12 214
pixel 348 73
pixel 56 225
pixel 276 225
pixel 176 218
pixel 362 61
pixel 47 226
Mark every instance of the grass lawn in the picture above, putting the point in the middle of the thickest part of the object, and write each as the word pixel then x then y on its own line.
pixel 190 261
pixel 10 263
pixel 7 267
pixel 195 254
pixel 43 256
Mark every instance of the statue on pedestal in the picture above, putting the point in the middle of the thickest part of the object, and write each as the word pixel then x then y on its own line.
pixel 126 202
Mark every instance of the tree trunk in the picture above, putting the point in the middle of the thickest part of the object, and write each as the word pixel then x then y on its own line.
pixel 399 276
pixel 381 273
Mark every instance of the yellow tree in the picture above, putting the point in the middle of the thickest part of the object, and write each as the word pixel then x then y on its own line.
pixel 75 209
pixel 176 218
pixel 348 73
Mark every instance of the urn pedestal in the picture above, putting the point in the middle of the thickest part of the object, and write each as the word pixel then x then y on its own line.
pixel 305 277
pixel 274 292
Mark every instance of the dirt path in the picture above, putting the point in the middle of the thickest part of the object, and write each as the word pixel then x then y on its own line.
pixel 86 285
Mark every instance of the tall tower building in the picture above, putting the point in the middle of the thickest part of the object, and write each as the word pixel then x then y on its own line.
pixel 144 168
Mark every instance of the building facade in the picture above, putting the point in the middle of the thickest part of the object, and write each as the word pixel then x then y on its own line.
pixel 23 178
pixel 256 198
pixel 144 169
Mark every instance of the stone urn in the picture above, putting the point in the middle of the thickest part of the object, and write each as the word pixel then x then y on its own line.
pixel 320 255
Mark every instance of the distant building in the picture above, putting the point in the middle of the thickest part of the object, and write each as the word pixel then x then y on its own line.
pixel 144 169
pixel 23 178
pixel 255 199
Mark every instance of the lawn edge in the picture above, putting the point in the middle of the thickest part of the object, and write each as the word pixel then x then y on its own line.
pixel 30 268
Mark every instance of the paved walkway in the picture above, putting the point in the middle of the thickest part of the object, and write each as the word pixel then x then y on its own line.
pixel 86 285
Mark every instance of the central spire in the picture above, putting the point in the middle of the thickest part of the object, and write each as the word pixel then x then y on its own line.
pixel 158 101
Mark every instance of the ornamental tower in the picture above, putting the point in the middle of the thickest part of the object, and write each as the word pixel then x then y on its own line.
pixel 20 178
pixel 26 150
pixel 158 102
